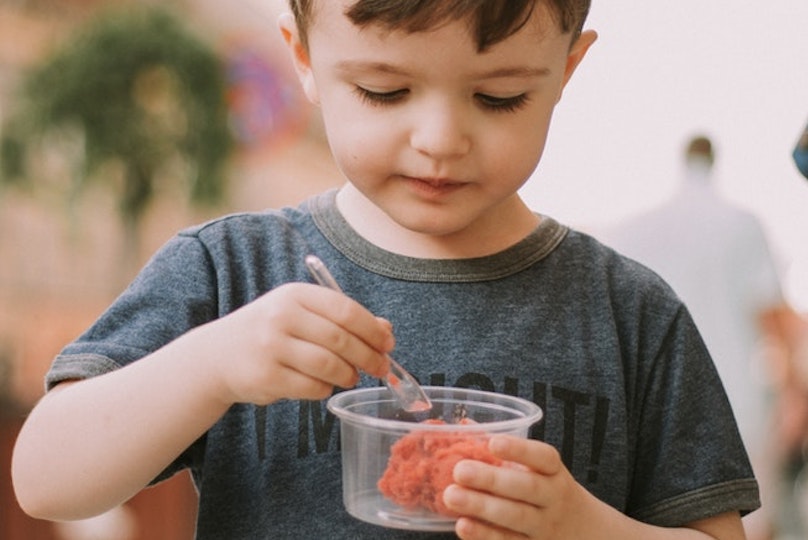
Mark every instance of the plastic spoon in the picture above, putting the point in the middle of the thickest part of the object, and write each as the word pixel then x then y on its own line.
pixel 405 388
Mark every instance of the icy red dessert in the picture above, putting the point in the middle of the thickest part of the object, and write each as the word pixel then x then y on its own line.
pixel 421 463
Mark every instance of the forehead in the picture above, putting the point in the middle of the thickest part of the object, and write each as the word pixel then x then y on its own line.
pixel 445 54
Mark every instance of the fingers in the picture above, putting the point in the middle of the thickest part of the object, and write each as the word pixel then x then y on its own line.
pixel 502 496
pixel 295 384
pixel 535 455
pixel 507 501
pixel 297 341
pixel 512 482
pixel 319 364
pixel 493 517
pixel 343 327
pixel 528 474
pixel 468 529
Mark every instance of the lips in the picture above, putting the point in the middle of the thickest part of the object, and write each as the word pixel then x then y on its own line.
pixel 436 183
pixel 433 187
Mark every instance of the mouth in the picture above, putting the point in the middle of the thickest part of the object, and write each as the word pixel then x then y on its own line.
pixel 434 186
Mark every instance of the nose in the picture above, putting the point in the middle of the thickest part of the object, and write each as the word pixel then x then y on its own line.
pixel 440 130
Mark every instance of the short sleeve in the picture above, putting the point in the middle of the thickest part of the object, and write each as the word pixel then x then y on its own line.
pixel 690 459
pixel 173 293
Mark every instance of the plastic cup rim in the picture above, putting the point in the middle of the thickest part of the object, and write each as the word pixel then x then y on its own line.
pixel 529 413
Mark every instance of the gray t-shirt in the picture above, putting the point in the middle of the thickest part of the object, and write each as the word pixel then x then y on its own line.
pixel 631 398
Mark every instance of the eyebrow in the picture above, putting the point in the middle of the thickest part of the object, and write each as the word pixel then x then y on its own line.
pixel 506 72
pixel 516 72
pixel 382 67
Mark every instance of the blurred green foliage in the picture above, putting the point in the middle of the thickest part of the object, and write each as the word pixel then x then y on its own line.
pixel 136 86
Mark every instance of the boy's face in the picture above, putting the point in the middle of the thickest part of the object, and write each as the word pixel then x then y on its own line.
pixel 436 134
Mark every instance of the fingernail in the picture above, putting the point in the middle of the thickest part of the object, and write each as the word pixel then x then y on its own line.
pixel 498 445
pixel 463 470
pixel 454 496
pixel 382 367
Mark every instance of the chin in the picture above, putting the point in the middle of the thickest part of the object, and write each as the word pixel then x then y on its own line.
pixel 433 228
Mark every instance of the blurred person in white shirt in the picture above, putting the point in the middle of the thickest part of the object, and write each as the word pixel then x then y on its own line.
pixel 716 257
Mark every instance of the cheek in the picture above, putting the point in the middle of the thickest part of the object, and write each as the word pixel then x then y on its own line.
pixel 534 154
pixel 514 156
pixel 357 147
pixel 359 141
pixel 537 136
pixel 343 132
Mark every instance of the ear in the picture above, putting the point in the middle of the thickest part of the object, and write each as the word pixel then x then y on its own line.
pixel 576 54
pixel 300 56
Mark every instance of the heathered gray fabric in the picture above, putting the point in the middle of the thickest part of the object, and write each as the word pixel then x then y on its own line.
pixel 631 398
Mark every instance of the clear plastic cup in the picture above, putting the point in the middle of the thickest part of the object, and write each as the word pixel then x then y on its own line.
pixel 427 447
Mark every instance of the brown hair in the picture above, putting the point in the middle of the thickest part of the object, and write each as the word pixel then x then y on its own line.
pixel 700 147
pixel 491 21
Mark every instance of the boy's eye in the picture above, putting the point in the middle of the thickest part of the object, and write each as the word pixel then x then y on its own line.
pixel 380 98
pixel 502 104
pixel 492 103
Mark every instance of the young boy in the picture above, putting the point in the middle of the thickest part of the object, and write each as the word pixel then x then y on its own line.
pixel 216 356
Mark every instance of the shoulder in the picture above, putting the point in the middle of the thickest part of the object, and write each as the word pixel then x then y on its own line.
pixel 588 254
pixel 244 223
pixel 256 232
pixel 633 294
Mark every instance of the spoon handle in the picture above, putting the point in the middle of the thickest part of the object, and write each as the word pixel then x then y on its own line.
pixel 409 393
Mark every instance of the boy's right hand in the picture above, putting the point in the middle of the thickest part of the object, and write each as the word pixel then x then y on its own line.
pixel 75 458
pixel 297 341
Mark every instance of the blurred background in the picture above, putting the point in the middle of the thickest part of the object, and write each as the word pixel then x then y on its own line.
pixel 124 121
pixel 659 74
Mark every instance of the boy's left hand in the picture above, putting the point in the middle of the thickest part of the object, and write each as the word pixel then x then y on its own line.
pixel 535 497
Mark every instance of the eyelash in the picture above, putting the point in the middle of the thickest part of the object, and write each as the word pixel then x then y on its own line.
pixel 491 103
pixel 509 104
pixel 379 99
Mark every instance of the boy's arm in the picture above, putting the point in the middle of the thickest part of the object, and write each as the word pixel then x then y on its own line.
pixel 90 445
pixel 539 498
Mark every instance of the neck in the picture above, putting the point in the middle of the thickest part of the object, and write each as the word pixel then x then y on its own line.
pixel 488 235
pixel 697 173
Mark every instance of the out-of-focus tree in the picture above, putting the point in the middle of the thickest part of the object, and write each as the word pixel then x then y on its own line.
pixel 134 87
